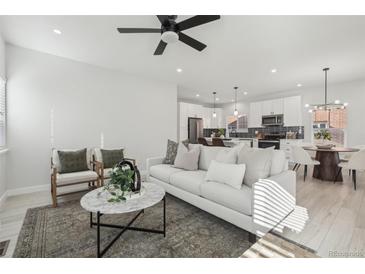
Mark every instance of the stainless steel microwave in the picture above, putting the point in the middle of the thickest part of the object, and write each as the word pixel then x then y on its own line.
pixel 273 120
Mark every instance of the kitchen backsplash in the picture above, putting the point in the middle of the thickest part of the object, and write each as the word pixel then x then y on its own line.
pixel 269 130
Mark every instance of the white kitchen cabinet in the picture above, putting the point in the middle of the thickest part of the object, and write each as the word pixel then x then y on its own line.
pixel 266 107
pixel 293 111
pixel 277 106
pixel 271 107
pixel 254 119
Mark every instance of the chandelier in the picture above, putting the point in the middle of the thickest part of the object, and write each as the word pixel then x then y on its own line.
pixel 326 105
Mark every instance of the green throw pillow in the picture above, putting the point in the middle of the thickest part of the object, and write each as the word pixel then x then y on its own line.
pixel 111 157
pixel 72 161
pixel 171 151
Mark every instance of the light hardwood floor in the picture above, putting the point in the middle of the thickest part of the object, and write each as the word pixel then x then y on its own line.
pixel 336 215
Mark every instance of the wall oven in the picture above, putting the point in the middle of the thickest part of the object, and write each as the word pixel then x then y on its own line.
pixel 273 120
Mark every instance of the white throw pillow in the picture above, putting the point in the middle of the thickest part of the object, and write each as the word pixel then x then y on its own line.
pixel 187 159
pixel 228 156
pixel 229 174
pixel 258 163
pixel 277 162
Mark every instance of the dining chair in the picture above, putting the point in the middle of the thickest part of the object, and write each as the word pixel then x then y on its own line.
pixel 355 163
pixel 202 141
pixel 345 157
pixel 301 157
pixel 218 142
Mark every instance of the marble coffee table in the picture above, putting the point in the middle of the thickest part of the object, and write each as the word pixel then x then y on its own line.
pixel 96 202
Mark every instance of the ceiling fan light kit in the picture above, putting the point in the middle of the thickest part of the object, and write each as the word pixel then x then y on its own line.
pixel 171 31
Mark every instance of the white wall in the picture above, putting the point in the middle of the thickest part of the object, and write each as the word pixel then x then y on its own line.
pixel 132 112
pixel 352 92
pixel 3 156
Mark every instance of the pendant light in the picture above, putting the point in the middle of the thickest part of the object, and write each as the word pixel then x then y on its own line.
pixel 326 106
pixel 214 113
pixel 235 112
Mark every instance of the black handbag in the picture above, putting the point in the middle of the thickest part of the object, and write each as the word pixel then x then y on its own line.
pixel 136 185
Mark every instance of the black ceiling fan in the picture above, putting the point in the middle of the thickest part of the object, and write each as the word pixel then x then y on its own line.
pixel 171 31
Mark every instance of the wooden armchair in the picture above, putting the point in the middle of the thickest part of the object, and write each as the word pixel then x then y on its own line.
pixel 63 180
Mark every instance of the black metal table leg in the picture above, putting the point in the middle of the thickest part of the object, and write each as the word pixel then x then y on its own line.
pixel 91 219
pixel 98 224
pixel 164 216
pixel 98 234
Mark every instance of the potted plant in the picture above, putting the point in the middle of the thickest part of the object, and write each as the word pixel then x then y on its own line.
pixel 120 184
pixel 323 135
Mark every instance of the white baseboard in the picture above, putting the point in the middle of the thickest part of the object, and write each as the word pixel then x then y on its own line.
pixel 26 190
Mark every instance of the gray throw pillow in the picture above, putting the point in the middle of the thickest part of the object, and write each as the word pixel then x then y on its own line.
pixel 111 157
pixel 72 161
pixel 171 151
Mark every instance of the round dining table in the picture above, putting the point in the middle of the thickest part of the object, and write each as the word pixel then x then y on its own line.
pixel 329 159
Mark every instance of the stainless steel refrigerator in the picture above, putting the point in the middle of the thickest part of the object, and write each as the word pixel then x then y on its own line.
pixel 195 129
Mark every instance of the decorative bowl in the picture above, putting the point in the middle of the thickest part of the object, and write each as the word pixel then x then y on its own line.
pixel 325 146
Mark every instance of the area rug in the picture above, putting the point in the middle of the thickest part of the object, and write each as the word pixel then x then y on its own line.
pixel 65 232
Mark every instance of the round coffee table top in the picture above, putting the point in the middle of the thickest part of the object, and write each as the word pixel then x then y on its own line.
pixel 97 200
pixel 334 149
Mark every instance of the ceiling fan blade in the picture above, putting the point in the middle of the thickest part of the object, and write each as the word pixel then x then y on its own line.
pixel 138 30
pixel 160 48
pixel 162 18
pixel 191 42
pixel 196 21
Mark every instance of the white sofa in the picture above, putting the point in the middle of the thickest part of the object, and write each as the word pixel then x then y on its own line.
pixel 250 208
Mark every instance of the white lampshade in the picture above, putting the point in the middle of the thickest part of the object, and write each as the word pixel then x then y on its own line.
pixel 214 114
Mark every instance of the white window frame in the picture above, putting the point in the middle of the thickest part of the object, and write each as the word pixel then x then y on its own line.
pixel 3 112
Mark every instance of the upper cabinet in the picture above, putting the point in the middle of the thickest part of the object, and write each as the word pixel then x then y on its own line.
pixel 272 107
pixel 293 111
pixel 290 107
pixel 254 119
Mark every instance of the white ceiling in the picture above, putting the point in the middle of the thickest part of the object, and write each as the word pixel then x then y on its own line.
pixel 241 50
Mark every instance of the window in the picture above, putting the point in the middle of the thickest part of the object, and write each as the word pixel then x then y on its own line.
pixel 2 112
pixel 334 121
pixel 237 124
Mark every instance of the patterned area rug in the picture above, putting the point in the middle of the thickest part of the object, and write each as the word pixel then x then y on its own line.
pixel 65 232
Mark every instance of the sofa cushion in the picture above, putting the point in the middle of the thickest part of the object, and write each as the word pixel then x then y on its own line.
pixel 230 174
pixel 187 159
pixel 207 154
pixel 236 199
pixel 163 172
pixel 111 157
pixel 258 163
pixel 278 162
pixel 56 159
pixel 188 180
pixel 75 177
pixel 72 161
pixel 227 156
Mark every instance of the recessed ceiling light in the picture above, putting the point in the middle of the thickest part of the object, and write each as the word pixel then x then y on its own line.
pixel 179 70
pixel 197 95
pixel 345 104
pixel 217 99
pixel 274 70
pixel 299 85
pixel 337 101
pixel 232 100
pixel 57 31
pixel 306 105
pixel 245 93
